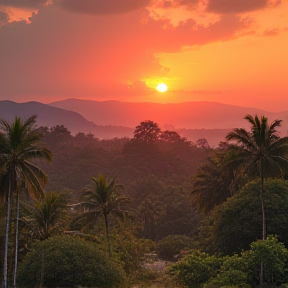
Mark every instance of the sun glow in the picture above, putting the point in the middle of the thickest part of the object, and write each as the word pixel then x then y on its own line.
pixel 162 87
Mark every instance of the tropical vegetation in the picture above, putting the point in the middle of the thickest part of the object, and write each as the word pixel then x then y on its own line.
pixel 156 198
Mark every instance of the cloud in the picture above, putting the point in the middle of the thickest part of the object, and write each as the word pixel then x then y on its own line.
pixel 23 3
pixel 271 32
pixel 175 3
pixel 139 88
pixel 236 6
pixel 100 7
pixel 74 55
pixel 3 18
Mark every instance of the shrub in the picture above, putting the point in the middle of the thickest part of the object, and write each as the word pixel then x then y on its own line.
pixel 69 261
pixel 171 245
pixel 196 268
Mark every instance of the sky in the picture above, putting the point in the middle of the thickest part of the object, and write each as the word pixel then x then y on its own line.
pixel 227 51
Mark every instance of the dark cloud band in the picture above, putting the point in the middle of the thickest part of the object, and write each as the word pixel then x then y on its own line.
pixel 235 6
pixel 23 3
pixel 100 7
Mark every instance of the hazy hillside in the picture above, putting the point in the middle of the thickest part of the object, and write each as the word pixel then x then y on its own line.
pixel 183 118
pixel 52 116
pixel 190 115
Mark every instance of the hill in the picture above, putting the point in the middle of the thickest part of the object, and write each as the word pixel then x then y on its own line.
pixel 192 120
pixel 189 115
pixel 52 116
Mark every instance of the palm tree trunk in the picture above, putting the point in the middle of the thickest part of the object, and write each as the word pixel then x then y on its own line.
pixel 16 240
pixel 5 264
pixel 107 233
pixel 263 221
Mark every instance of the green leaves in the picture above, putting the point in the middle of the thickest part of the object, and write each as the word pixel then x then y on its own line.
pixel 261 147
pixel 66 261
pixel 19 144
pixel 199 269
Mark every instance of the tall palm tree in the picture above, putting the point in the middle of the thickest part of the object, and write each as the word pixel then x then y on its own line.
pixel 263 151
pixel 101 202
pixel 19 144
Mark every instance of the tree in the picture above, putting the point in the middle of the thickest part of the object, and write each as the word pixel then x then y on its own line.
pixel 263 149
pixel 171 137
pixel 237 222
pixel 20 143
pixel 102 201
pixel 148 131
pixel 45 216
pixel 242 270
pixel 215 180
pixel 202 143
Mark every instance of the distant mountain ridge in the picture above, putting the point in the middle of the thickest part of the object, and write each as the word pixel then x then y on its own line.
pixel 51 116
pixel 189 115
pixel 110 119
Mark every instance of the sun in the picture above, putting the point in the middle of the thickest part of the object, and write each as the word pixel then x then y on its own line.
pixel 161 87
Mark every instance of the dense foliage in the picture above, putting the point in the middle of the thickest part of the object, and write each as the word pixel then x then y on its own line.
pixel 169 247
pixel 199 268
pixel 64 261
pixel 149 196
pixel 196 268
pixel 237 223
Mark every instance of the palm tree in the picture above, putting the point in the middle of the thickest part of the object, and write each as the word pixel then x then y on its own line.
pixel 264 151
pixel 20 143
pixel 216 179
pixel 102 201
pixel 47 215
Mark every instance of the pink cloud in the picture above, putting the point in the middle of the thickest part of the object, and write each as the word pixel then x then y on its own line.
pixel 271 32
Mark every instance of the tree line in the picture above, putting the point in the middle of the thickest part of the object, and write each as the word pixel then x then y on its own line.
pixel 173 188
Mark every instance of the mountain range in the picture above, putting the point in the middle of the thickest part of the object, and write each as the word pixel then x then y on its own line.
pixel 110 119
pixel 51 116
pixel 189 115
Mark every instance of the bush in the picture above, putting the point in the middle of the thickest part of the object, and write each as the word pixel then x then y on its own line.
pixel 233 273
pixel 130 250
pixel 68 261
pixel 199 269
pixel 238 271
pixel 196 268
pixel 171 245
pixel 274 256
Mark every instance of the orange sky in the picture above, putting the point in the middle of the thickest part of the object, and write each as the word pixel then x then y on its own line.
pixel 226 51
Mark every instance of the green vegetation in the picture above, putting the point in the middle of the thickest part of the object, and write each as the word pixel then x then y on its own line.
pixel 19 144
pixel 68 261
pixel 199 269
pixel 166 197
pixel 101 201
pixel 170 246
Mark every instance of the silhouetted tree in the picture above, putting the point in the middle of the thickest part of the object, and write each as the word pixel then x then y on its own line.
pixel 20 143
pixel 216 179
pixel 202 143
pixel 102 201
pixel 147 131
pixel 263 149
pixel 46 216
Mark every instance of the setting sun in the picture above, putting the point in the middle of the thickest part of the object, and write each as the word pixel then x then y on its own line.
pixel 162 87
